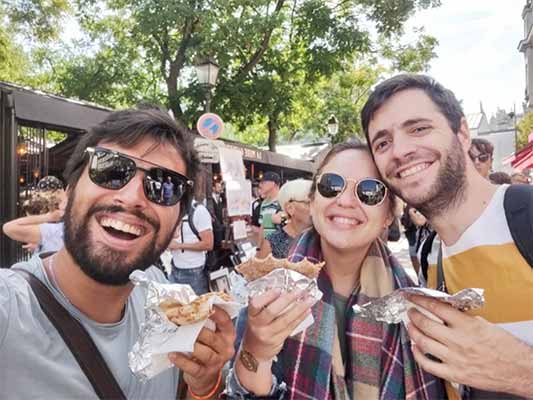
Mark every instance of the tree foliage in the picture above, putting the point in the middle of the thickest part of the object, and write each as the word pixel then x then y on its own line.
pixel 525 128
pixel 285 65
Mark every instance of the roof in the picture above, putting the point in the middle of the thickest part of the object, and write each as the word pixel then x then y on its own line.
pixel 474 120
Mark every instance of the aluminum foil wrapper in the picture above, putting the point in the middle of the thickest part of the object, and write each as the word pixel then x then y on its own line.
pixel 285 279
pixel 393 307
pixel 158 336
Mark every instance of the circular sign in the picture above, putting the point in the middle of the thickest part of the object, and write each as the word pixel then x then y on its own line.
pixel 210 126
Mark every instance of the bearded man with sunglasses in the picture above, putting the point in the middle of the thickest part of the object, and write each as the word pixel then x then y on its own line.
pixel 420 142
pixel 115 223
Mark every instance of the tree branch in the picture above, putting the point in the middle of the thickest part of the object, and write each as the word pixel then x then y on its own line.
pixel 256 57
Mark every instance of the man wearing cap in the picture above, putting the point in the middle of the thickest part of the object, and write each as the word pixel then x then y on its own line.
pixel 269 189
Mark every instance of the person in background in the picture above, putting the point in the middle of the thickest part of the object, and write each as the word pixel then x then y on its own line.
pixel 269 189
pixel 500 178
pixel 192 239
pixel 480 153
pixel 420 141
pixel 293 198
pixel 341 355
pixel 519 178
pixel 42 232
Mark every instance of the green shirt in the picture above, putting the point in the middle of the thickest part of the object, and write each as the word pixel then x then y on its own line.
pixel 340 303
pixel 268 208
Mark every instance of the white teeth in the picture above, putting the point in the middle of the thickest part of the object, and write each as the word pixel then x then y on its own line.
pixel 120 226
pixel 345 221
pixel 414 170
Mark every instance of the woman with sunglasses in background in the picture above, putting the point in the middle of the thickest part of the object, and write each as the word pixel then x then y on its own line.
pixel 481 154
pixel 340 356
pixel 293 198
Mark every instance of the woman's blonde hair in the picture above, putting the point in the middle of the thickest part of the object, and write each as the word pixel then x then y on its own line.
pixel 295 190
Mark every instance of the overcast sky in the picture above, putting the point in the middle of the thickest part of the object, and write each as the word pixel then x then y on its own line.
pixel 478 55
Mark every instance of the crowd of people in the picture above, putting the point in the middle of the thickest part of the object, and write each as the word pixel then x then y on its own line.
pixel 467 227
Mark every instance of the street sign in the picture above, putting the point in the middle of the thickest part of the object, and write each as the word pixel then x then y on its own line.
pixel 210 126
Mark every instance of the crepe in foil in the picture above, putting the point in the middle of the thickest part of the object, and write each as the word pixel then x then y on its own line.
pixel 256 268
pixel 393 307
pixel 158 335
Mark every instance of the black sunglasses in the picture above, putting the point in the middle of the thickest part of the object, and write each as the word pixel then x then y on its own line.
pixel 369 191
pixel 113 170
pixel 480 157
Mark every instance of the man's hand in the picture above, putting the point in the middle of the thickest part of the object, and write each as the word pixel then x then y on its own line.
pixel 473 351
pixel 211 351
pixel 270 323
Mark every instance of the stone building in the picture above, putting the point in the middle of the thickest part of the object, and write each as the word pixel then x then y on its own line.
pixel 526 46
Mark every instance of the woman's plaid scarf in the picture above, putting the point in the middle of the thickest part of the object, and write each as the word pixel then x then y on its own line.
pixel 379 364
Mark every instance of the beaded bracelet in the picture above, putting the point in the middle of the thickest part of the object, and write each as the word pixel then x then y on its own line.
pixel 211 393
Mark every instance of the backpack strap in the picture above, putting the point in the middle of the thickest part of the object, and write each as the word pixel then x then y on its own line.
pixel 77 340
pixel 190 221
pixel 518 206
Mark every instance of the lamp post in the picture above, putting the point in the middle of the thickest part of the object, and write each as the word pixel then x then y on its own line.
pixel 333 126
pixel 207 72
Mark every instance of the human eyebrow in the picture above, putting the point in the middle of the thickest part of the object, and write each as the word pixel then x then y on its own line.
pixel 414 121
pixel 380 134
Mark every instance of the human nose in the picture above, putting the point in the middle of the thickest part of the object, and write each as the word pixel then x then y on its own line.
pixel 347 197
pixel 403 145
pixel 132 194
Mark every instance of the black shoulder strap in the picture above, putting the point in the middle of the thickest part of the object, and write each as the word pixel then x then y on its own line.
pixel 424 253
pixel 441 282
pixel 518 205
pixel 190 220
pixel 78 341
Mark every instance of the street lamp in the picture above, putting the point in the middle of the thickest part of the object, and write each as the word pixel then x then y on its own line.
pixel 207 71
pixel 333 126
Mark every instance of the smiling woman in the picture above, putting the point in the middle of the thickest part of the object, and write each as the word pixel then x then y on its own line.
pixel 358 358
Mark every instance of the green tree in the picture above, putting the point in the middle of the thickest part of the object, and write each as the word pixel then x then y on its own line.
pixel 270 52
pixel 525 128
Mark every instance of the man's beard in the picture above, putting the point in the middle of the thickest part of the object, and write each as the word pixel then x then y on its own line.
pixel 101 263
pixel 449 187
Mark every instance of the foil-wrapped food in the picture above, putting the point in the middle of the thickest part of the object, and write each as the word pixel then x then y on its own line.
pixel 261 275
pixel 393 307
pixel 174 317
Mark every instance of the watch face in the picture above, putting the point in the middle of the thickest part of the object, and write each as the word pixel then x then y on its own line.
pixel 248 361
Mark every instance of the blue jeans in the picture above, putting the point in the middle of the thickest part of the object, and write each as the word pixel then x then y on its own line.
pixel 195 277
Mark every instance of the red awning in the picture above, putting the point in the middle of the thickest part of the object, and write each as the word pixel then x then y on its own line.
pixel 524 162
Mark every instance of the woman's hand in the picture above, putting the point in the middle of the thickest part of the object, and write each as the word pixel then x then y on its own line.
pixel 271 319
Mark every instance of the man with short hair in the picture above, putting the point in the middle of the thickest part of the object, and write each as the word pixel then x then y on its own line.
pixel 269 189
pixel 419 139
pixel 113 225
pixel 480 153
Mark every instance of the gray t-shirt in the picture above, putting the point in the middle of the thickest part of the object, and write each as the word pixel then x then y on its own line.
pixel 51 237
pixel 36 363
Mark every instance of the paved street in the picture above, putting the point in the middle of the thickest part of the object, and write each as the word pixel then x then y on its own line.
pixel 401 250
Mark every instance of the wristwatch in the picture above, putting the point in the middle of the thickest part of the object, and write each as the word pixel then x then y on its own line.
pixel 248 360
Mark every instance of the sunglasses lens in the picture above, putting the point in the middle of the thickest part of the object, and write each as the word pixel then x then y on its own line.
pixel 164 187
pixel 330 185
pixel 371 192
pixel 483 157
pixel 110 170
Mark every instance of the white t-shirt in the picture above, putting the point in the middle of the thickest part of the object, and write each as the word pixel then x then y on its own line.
pixel 51 237
pixel 186 258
